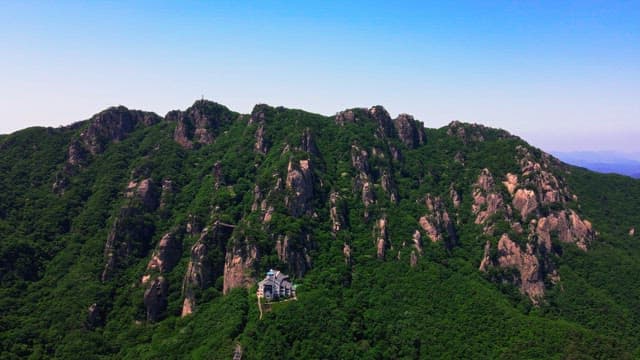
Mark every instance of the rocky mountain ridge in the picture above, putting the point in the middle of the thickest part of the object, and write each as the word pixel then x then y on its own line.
pixel 186 210
pixel 531 208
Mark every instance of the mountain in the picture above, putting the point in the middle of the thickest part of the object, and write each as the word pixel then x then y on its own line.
pixel 131 235
pixel 604 161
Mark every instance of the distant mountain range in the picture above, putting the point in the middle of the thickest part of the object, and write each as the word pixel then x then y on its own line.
pixel 604 161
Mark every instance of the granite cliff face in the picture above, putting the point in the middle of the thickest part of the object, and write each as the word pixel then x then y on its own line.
pixel 533 209
pixel 436 223
pixel 206 264
pixel 111 125
pixel 299 183
pixel 130 235
pixel 410 131
pixel 239 264
pixel 199 124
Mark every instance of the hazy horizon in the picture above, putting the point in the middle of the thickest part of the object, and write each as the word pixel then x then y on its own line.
pixel 563 76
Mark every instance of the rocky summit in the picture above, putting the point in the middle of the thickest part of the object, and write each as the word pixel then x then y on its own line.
pixel 132 235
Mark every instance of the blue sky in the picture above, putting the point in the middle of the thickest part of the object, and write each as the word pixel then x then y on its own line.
pixel 563 75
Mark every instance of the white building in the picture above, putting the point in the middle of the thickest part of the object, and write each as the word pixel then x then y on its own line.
pixel 276 285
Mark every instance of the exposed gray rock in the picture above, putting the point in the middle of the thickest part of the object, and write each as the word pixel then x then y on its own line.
pixel 207 262
pixel 155 298
pixel 363 183
pixel 76 153
pixel 410 131
pixel 337 212
pixel 308 144
pixel 130 235
pixel 382 238
pixel 437 223
pixel 347 116
pixel 261 144
pixel 385 125
pixel 166 255
pixel 113 125
pixel 260 113
pixel 300 185
pixel 200 123
pixel 239 262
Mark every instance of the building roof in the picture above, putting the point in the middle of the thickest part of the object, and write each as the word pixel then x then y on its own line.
pixel 276 278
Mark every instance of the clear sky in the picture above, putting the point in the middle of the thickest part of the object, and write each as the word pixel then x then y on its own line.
pixel 564 75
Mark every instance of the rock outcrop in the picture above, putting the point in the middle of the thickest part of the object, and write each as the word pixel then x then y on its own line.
pixel 299 184
pixel 308 143
pixel 486 261
pixel 199 124
pixel 260 113
pixel 470 133
pixel 437 223
pixel 193 226
pixel 239 264
pixel 259 116
pixel 155 298
pixel 385 125
pixel 144 191
pixel 537 175
pixel 76 153
pixel 511 183
pixel 166 255
pixel 410 131
pixel 382 238
pixel 206 264
pixel 568 226
pixel 347 116
pixel 389 186
pixel 109 126
pixel 417 241
pixel 261 145
pixel 112 125
pixel 524 200
pixel 487 202
pixel 539 198
pixel 130 235
pixel 363 183
pixel 337 212
pixel 510 255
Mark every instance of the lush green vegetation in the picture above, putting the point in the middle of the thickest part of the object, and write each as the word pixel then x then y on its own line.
pixel 52 252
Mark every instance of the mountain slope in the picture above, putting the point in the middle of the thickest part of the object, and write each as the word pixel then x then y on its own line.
pixel 131 235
